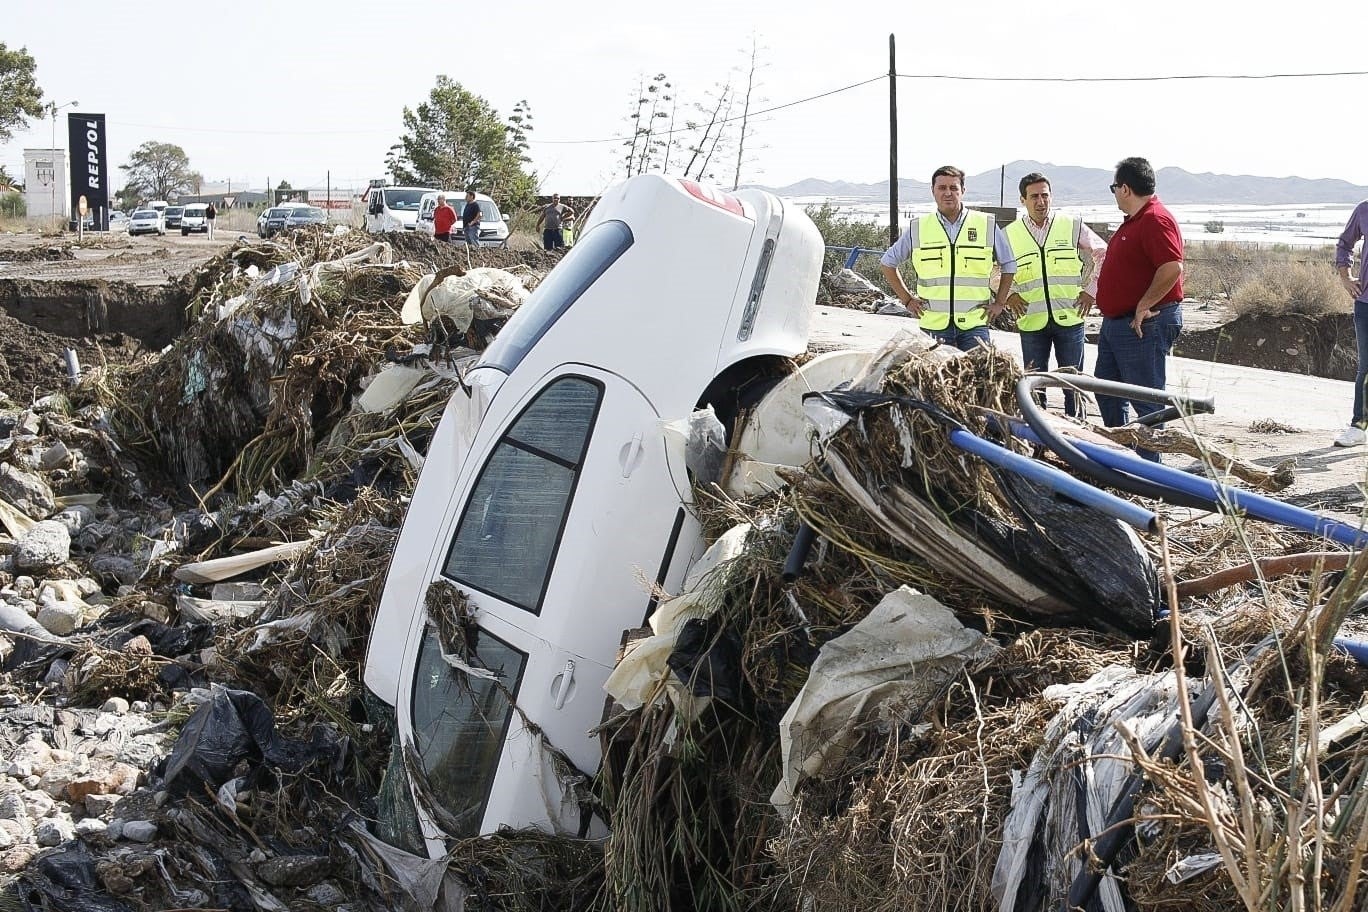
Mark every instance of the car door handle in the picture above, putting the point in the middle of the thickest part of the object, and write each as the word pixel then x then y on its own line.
pixel 629 457
pixel 562 683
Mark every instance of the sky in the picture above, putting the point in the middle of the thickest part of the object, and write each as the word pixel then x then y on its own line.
pixel 298 90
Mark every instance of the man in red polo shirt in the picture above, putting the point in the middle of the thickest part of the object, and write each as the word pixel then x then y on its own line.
pixel 443 218
pixel 1139 293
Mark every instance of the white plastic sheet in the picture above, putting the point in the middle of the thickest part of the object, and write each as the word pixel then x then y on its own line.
pixel 900 655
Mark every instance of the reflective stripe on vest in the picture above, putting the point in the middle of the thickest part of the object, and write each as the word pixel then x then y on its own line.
pixel 1048 277
pixel 950 274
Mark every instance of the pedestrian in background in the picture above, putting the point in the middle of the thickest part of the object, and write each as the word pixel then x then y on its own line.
pixel 952 252
pixel 210 213
pixel 553 216
pixel 443 219
pixel 1140 294
pixel 1354 232
pixel 470 220
pixel 1053 252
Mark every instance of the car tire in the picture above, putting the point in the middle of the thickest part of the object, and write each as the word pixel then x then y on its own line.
pixel 185 232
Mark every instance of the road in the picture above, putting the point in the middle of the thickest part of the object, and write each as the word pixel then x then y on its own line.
pixel 1328 477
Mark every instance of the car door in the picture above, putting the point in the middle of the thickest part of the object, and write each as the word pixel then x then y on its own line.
pixel 566 519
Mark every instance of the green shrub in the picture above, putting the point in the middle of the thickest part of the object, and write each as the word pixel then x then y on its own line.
pixel 1214 227
pixel 838 231
pixel 12 205
pixel 1291 287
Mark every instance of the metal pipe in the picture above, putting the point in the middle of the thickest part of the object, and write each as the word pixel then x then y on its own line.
pixel 797 556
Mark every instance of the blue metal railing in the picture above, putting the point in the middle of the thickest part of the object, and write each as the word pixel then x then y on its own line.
pixel 854 253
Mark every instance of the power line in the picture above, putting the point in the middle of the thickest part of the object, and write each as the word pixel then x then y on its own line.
pixel 1173 78
pixel 787 104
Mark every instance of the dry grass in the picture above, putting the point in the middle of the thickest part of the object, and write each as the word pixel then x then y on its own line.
pixel 1291 288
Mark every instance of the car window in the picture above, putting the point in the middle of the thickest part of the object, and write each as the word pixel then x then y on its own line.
pixel 505 543
pixel 145 213
pixel 460 721
pixel 303 213
pixel 489 212
pixel 174 210
pixel 404 200
pixel 574 274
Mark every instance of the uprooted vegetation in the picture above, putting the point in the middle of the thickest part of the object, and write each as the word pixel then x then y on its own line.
pixel 192 743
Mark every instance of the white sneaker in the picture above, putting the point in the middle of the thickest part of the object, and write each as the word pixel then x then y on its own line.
pixel 1353 435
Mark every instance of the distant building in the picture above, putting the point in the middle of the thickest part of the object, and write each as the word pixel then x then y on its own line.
pixel 45 183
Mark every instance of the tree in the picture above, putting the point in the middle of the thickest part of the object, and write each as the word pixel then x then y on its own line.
pixel 159 171
pixel 654 102
pixel 745 111
pixel 20 97
pixel 455 141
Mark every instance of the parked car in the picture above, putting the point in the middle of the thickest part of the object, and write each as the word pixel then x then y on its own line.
pixel 173 216
pixel 275 221
pixel 299 216
pixel 146 221
pixel 89 222
pixel 550 487
pixel 193 219
pixel 118 220
pixel 493 228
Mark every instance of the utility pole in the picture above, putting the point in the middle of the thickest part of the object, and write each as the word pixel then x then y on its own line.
pixel 892 141
pixel 1002 187
pixel 327 199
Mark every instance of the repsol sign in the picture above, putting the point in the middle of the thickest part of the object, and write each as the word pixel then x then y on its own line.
pixel 89 165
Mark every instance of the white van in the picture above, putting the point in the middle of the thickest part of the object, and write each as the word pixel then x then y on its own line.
pixel 393 208
pixel 551 489
pixel 493 228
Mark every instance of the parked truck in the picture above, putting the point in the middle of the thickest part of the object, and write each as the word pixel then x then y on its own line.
pixel 551 488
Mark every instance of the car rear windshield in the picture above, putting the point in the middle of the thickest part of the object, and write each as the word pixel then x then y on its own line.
pixel 581 267
pixel 308 214
pixel 404 200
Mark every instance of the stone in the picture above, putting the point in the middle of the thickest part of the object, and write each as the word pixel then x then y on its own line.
pixel 12 807
pixel 118 779
pixel 39 804
pixel 91 826
pixel 139 830
pixel 60 618
pixel 32 758
pixel 115 829
pixel 21 830
pixel 24 587
pixel 26 491
pixel 46 545
pixel 98 805
pixel 294 870
pixel 116 705
pixel 53 831
pixel 326 894
pixel 140 706
pixel 54 457
pixel 9 700
pixel 7 839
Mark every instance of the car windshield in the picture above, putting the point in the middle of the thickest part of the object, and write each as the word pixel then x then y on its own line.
pixel 277 213
pixel 174 210
pixel 145 214
pixel 310 213
pixel 404 200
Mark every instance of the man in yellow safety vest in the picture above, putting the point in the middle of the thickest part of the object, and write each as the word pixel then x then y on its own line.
pixel 952 252
pixel 1053 252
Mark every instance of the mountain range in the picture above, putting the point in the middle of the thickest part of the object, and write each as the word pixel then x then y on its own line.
pixel 1075 185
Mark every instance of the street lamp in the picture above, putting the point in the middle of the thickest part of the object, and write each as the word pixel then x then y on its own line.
pixel 53 108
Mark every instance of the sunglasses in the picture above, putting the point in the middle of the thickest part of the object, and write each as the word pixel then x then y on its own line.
pixel 1113 187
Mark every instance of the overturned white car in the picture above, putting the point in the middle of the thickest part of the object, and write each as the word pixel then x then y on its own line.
pixel 553 497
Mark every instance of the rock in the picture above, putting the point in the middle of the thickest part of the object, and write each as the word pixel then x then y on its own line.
pixel 24 587
pixel 140 706
pixel 27 491
pixel 294 870
pixel 118 779
pixel 139 830
pixel 60 618
pixel 53 831
pixel 39 804
pixel 20 830
pixel 90 826
pixel 97 804
pixel 116 705
pixel 7 839
pixel 31 758
pixel 115 829
pixel 9 700
pixel 56 672
pixel 12 807
pixel 47 544
pixel 54 457
pixel 325 894
pixel 28 424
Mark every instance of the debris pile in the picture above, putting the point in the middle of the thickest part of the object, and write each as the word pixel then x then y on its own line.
pixel 958 697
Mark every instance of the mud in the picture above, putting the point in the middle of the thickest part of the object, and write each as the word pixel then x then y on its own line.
pixel 1319 346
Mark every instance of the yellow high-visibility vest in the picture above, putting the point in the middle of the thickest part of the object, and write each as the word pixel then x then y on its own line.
pixel 1049 278
pixel 953 277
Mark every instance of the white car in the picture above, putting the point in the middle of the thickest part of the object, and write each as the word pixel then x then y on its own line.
pixel 194 218
pixel 118 220
pixel 551 487
pixel 146 221
pixel 493 227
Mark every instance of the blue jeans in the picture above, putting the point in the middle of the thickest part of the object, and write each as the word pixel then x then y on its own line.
pixel 963 339
pixel 1139 360
pixel 472 235
pixel 1067 342
pixel 552 239
pixel 1361 335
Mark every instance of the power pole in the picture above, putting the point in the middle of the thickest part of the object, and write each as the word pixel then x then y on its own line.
pixel 327 199
pixel 892 141
pixel 1002 187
